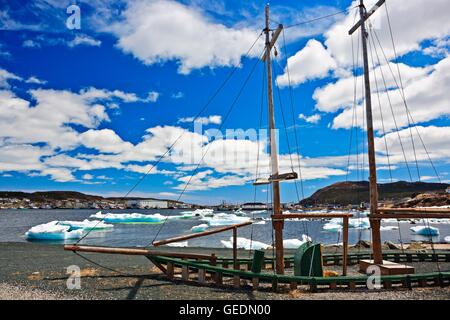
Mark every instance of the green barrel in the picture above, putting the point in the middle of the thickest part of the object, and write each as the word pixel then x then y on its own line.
pixel 308 260
pixel 258 261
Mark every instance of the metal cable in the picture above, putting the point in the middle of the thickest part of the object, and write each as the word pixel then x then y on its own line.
pixel 214 95
pixel 233 104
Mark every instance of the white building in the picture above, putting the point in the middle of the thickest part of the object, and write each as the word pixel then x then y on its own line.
pixel 447 190
pixel 254 206
pixel 147 204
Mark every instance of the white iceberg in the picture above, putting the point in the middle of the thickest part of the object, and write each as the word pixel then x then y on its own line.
pixel 200 228
pixel 129 217
pixel 86 225
pixel 359 223
pixel 258 211
pixel 224 219
pixel 243 243
pixel 295 243
pixel 53 231
pixel 332 227
pixel 185 215
pixel 178 244
pixel 392 220
pixel 425 231
pixel 388 228
pixel 447 239
pixel 260 222
pixel 200 212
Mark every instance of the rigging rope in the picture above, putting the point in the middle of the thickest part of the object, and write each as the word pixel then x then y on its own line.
pixel 407 116
pixel 384 132
pixel 408 112
pixel 257 157
pixel 353 105
pixel 209 101
pixel 230 109
pixel 319 18
pixel 293 117
pixel 391 108
pixel 289 147
pixel 401 91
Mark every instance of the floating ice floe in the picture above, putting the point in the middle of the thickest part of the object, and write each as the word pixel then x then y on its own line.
pixel 244 243
pixel 53 231
pixel 439 221
pixel 199 212
pixel 359 223
pixel 129 217
pixel 425 231
pixel 363 213
pixel 392 220
pixel 183 216
pixel 259 222
pixel 332 227
pixel 200 228
pixel 86 225
pixel 387 228
pixel 295 243
pixel 178 244
pixel 258 211
pixel 447 239
pixel 355 223
pixel 239 212
pixel 224 219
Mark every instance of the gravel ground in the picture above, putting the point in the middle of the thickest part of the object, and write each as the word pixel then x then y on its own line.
pixel 21 292
pixel 39 271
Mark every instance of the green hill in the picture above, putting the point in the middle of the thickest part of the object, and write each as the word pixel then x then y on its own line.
pixel 355 192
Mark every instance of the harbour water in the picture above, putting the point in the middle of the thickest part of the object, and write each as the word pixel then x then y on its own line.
pixel 14 224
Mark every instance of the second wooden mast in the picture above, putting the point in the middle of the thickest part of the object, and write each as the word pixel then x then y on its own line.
pixel 276 203
pixel 374 222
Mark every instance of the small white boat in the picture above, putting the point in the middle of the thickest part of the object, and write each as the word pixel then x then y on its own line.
pixel 447 239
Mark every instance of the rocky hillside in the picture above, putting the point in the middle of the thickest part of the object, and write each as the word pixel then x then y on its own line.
pixel 48 195
pixel 355 192
pixel 425 200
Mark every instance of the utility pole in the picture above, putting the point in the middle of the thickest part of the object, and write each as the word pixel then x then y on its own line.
pixel 277 225
pixel 374 222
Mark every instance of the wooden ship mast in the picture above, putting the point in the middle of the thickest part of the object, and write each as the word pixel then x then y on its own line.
pixel 276 202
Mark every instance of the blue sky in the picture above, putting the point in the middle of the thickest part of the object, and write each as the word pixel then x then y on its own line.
pixel 92 109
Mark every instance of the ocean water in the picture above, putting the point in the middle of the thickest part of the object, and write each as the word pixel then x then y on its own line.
pixel 14 224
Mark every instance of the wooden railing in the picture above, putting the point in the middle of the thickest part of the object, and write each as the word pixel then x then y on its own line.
pixel 344 216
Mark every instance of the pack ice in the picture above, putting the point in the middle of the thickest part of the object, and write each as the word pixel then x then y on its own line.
pixel 224 219
pixel 129 217
pixel 244 243
pixel 425 231
pixel 53 231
